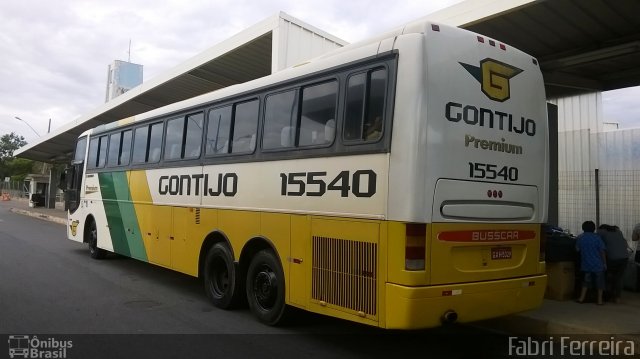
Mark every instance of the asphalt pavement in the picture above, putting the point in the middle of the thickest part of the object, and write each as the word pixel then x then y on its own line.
pixel 58 289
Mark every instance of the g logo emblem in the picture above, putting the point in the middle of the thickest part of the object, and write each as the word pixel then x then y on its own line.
pixel 494 78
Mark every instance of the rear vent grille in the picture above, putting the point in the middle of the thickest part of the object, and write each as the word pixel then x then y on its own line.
pixel 197 215
pixel 344 274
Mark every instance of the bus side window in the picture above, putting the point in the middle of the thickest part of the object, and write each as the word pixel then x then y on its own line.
pixel 173 141
pixel 218 128
pixel 92 160
pixel 114 149
pixel 317 124
pixel 193 136
pixel 125 148
pixel 155 142
pixel 140 144
pixel 245 125
pixel 97 152
pixel 364 115
pixel 280 120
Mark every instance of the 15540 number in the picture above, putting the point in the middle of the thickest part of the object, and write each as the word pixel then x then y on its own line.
pixel 361 183
pixel 490 171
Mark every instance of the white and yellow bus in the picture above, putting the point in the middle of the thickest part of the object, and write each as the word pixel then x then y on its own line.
pixel 400 182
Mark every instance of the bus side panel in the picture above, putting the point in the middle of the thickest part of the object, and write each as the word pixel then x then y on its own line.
pixel 300 263
pixel 144 214
pixel 345 275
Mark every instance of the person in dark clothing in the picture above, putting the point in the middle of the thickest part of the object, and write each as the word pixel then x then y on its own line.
pixel 593 262
pixel 617 258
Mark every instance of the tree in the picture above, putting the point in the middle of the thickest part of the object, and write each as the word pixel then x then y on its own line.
pixel 10 166
pixel 8 144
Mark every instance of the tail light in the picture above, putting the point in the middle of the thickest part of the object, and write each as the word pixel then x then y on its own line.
pixel 415 246
pixel 543 240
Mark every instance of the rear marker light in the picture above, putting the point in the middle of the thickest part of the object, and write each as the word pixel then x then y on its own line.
pixel 494 194
pixel 503 47
pixel 415 246
pixel 489 193
pixel 435 27
pixel 481 39
pixel 492 43
pixel 499 194
pixel 535 62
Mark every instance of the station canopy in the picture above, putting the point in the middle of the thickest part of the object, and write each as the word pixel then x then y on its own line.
pixel 582 46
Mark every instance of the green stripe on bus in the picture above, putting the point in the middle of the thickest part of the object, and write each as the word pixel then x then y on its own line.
pixel 121 215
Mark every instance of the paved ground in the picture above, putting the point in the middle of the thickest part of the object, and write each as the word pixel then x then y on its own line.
pixel 49 286
pixel 60 290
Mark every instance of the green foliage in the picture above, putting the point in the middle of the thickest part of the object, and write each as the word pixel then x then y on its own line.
pixel 10 166
pixel 8 144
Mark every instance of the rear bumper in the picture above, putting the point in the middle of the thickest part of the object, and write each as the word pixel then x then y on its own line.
pixel 423 307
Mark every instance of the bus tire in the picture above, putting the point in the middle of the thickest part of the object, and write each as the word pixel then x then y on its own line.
pixel 220 277
pixel 92 233
pixel 265 287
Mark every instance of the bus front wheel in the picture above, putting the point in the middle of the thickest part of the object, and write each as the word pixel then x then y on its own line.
pixel 94 251
pixel 265 287
pixel 220 281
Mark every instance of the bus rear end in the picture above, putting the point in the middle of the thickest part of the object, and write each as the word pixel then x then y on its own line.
pixel 472 245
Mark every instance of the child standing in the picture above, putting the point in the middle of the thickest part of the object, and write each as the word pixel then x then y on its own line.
pixel 593 260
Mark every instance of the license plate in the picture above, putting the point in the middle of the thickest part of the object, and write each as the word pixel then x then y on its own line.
pixel 501 253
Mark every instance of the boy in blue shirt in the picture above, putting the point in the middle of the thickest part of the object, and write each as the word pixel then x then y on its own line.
pixel 593 260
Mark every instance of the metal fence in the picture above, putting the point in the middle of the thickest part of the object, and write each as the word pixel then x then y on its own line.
pixel 15 189
pixel 609 196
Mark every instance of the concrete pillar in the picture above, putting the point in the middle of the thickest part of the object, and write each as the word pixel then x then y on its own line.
pixel 52 190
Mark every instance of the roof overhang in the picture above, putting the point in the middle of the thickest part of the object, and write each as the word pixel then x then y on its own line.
pixel 582 46
pixel 255 52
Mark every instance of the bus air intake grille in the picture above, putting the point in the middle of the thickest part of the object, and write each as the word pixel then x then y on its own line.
pixel 344 274
pixel 197 216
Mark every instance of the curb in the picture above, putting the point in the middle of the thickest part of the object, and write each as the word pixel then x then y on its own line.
pixel 38 215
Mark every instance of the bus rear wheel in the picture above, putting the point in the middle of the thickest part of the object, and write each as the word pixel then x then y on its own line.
pixel 94 251
pixel 265 287
pixel 220 279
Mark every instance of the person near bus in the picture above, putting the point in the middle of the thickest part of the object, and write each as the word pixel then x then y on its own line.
pixel 617 258
pixel 593 262
pixel 635 236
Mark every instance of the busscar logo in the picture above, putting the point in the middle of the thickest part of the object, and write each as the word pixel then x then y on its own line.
pixel 494 77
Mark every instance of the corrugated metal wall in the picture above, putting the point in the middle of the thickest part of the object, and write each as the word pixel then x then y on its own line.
pixel 302 43
pixel 584 145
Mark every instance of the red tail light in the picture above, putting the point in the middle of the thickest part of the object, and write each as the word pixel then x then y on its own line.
pixel 415 247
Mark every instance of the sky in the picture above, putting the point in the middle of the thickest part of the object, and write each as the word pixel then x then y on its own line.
pixel 54 54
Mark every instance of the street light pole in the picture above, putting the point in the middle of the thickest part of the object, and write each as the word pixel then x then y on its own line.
pixel 19 119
